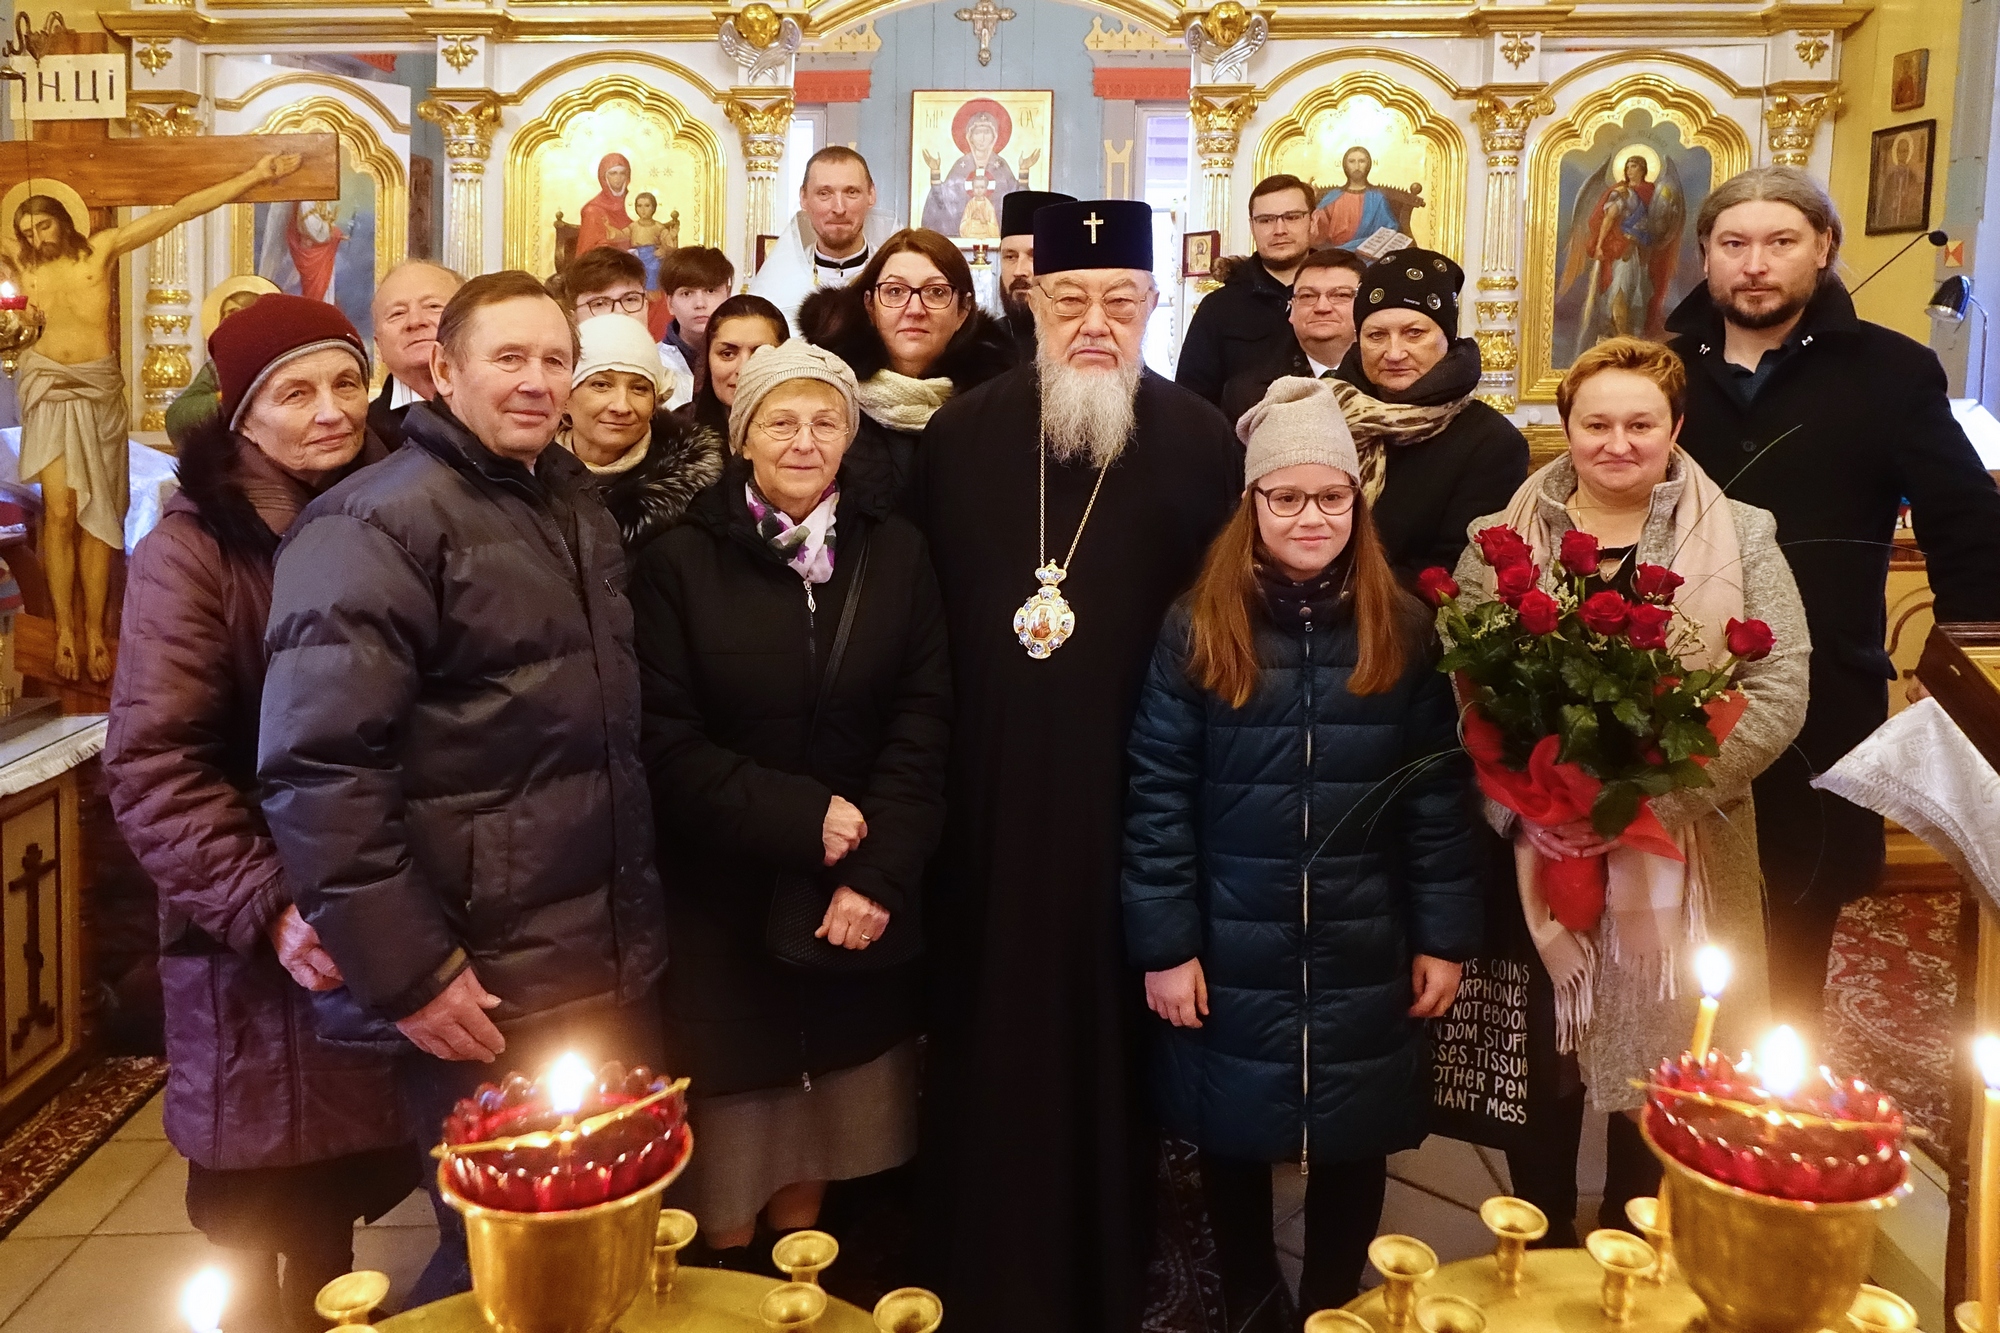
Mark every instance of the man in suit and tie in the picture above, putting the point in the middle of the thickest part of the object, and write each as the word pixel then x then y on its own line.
pixel 1322 315
pixel 406 307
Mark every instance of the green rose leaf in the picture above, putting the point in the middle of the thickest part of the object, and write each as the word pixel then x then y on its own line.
pixel 1616 806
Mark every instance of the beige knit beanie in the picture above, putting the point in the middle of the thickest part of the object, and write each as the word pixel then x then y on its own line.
pixel 1299 421
pixel 769 367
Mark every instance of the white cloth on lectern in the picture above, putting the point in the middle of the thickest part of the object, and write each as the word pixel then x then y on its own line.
pixel 1919 769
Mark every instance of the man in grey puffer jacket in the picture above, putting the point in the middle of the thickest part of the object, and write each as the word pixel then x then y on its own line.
pixel 450 735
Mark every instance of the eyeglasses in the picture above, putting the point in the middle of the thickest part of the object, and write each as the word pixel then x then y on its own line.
pixel 1297 215
pixel 825 430
pixel 896 295
pixel 1337 296
pixel 1119 308
pixel 631 303
pixel 1290 501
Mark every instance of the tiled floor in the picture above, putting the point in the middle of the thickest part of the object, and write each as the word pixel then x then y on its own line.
pixel 111 1247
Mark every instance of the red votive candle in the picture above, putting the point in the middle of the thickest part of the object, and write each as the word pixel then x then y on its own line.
pixel 577 1169
pixel 12 299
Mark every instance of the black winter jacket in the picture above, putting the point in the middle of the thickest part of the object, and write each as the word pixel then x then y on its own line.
pixel 1853 422
pixel 450 741
pixel 730 656
pixel 1247 388
pixel 1367 803
pixel 883 459
pixel 1242 325
pixel 683 457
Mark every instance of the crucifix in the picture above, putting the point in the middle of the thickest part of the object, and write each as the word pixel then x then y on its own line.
pixel 985 18
pixel 39 1013
pixel 60 236
pixel 1093 222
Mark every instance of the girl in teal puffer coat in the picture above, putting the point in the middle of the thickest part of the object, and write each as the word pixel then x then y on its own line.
pixel 1300 884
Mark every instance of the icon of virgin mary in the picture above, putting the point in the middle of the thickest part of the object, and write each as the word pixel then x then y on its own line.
pixel 603 220
pixel 964 202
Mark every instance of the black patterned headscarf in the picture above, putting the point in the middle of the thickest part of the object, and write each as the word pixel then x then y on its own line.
pixel 1420 280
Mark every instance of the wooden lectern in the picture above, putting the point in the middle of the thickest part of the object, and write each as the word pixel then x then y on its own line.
pixel 1961 669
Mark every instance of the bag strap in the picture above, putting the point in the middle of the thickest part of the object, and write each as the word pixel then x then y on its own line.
pixel 839 650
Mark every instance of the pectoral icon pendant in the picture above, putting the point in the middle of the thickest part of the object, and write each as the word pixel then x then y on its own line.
pixel 1045 621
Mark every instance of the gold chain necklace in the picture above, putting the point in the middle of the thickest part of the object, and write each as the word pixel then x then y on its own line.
pixel 1046 620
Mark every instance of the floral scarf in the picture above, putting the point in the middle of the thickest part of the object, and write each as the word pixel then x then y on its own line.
pixel 808 546
pixel 1418 413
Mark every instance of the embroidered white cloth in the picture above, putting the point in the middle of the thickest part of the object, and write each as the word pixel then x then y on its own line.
pixel 1920 770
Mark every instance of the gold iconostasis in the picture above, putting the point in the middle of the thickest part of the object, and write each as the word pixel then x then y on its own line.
pixel 1562 158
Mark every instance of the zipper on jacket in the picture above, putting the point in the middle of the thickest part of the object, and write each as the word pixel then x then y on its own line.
pixel 1305 930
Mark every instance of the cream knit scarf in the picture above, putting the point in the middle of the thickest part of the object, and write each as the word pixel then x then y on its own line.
pixel 1655 909
pixel 901 402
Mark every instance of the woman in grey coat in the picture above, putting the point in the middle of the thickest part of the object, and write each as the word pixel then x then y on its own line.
pixel 1625 999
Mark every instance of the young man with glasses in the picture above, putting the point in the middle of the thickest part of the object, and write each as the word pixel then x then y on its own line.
pixel 1322 318
pixel 1244 324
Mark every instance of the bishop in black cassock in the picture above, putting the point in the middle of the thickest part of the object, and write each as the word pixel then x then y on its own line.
pixel 1039 1159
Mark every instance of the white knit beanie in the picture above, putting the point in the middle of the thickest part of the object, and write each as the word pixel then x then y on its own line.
pixel 769 367
pixel 618 342
pixel 1298 421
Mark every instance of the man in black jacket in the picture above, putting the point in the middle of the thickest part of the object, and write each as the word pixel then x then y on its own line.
pixel 1245 323
pixel 405 310
pixel 450 736
pixel 1796 405
pixel 1322 317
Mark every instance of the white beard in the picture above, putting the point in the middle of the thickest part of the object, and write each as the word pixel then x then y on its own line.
pixel 1087 413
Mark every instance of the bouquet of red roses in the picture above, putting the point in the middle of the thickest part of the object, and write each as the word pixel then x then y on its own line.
pixel 1581 705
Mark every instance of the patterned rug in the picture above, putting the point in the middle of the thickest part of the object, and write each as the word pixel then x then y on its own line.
pixel 1890 993
pixel 54 1141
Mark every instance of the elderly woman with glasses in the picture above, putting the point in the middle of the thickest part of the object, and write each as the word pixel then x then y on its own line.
pixel 796 702
pixel 912 332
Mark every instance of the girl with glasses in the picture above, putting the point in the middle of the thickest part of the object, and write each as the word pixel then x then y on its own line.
pixel 1300 881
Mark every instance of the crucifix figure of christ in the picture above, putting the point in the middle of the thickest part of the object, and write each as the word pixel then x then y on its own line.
pixel 74 417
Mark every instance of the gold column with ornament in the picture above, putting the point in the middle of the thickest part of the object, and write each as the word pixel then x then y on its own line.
pixel 169 362
pixel 1220 111
pixel 1503 127
pixel 468 120
pixel 764 120
pixel 1791 119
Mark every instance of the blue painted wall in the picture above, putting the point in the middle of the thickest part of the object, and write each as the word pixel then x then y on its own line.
pixel 1040 48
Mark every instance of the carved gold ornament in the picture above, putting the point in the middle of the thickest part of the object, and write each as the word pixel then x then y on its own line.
pixel 1517 47
pixel 1812 47
pixel 460 50
pixel 1225 38
pixel 153 54
pixel 174 121
pixel 1125 37
pixel 759 25
pixel 760 43
pixel 1792 121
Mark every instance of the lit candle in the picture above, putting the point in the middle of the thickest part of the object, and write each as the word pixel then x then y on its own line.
pixel 1781 1063
pixel 11 298
pixel 568 1079
pixel 1986 1052
pixel 202 1300
pixel 1711 968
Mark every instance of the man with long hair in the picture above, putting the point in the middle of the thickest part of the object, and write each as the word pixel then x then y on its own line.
pixel 72 394
pixel 1067 503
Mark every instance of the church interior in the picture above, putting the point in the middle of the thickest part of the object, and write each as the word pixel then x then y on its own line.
pixel 487 135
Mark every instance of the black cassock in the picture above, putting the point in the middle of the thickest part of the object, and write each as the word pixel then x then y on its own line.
pixel 1036 1151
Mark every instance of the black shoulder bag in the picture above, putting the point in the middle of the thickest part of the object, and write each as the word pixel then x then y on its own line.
pixel 799 901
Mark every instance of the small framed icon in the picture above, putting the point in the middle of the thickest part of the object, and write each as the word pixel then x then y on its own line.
pixel 1199 252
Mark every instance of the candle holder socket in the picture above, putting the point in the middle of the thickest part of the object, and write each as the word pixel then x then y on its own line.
pixel 1967 1317
pixel 1878 1311
pixel 349 1299
pixel 1515 1224
pixel 804 1255
pixel 674 1232
pixel 792 1307
pixel 1647 1215
pixel 909 1310
pixel 1625 1260
pixel 1403 1262
pixel 1337 1321
pixel 1449 1314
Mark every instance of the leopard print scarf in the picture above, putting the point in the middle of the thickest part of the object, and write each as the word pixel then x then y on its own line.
pixel 1377 425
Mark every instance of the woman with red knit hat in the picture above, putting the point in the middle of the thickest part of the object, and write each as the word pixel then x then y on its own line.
pixel 288 1139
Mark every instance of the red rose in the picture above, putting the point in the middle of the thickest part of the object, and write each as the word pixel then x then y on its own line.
pixel 1500 545
pixel 1647 629
pixel 1515 580
pixel 1579 553
pixel 1750 640
pixel 1605 612
pixel 1539 613
pixel 1655 583
pixel 1436 585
